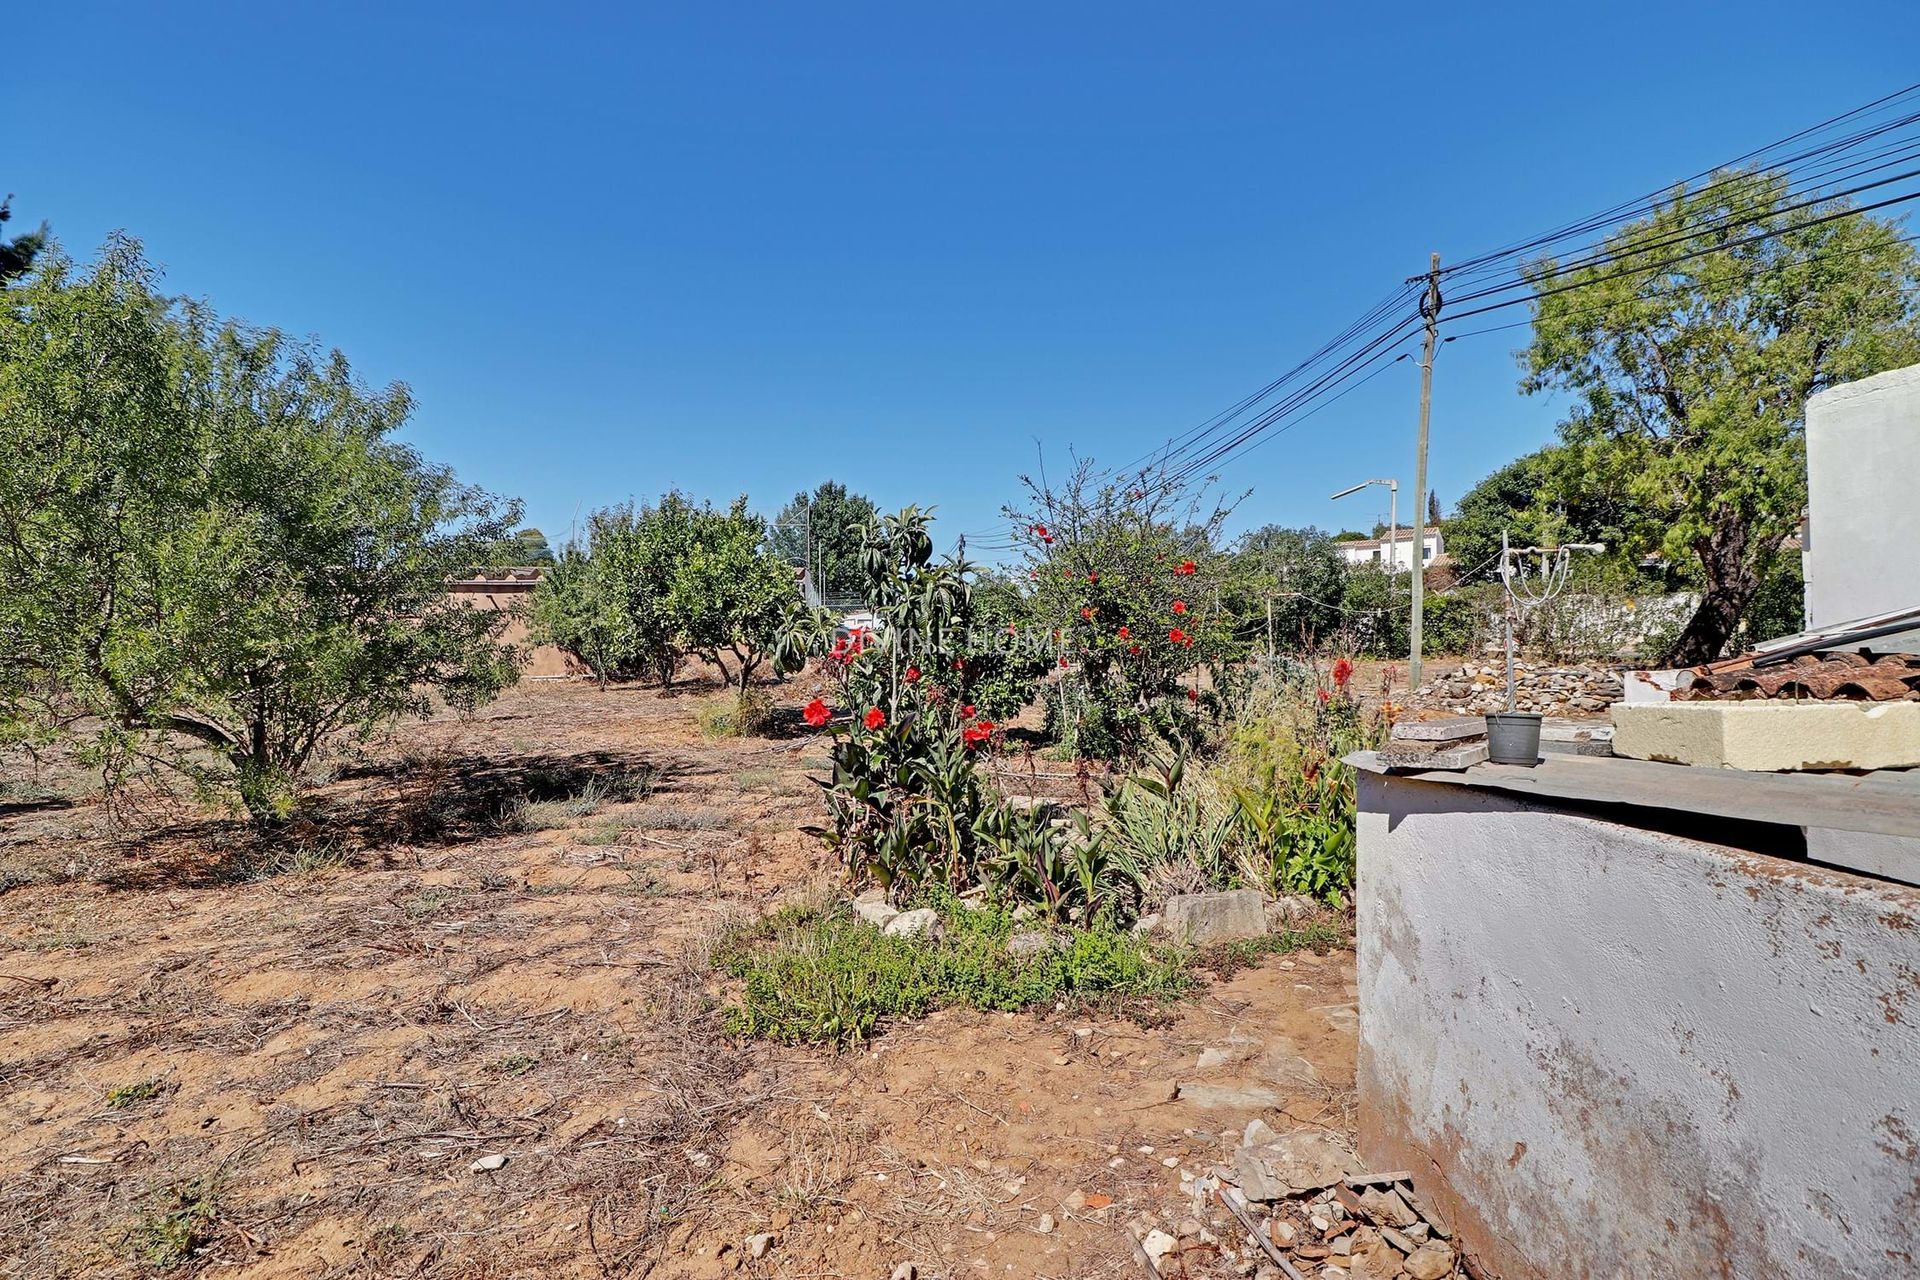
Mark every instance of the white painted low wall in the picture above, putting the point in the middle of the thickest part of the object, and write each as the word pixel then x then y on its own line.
pixel 1615 1053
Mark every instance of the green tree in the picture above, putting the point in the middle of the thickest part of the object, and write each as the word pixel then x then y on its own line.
pixel 608 601
pixel 1690 349
pixel 1301 573
pixel 530 547
pixel 17 254
pixel 728 594
pixel 821 532
pixel 1546 498
pixel 218 559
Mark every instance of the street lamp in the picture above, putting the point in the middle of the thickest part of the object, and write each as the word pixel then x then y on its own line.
pixel 1393 516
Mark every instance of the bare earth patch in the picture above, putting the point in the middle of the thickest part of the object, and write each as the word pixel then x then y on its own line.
pixel 462 1025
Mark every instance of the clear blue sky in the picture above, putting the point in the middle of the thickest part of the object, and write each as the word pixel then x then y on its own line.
pixel 744 247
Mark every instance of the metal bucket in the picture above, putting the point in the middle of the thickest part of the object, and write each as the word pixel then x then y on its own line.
pixel 1513 737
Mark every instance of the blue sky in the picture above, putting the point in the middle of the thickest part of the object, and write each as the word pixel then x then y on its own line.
pixel 743 248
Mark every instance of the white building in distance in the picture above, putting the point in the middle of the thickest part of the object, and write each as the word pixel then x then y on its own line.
pixel 1395 552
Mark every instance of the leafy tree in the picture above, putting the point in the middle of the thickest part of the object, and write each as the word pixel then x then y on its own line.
pixel 218 559
pixel 530 547
pixel 727 594
pixel 822 531
pixel 1546 498
pixel 1690 350
pixel 1350 535
pixel 608 601
pixel 1433 507
pixel 17 255
pixel 1301 572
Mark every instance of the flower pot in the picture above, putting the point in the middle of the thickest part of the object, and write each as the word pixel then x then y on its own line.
pixel 1513 737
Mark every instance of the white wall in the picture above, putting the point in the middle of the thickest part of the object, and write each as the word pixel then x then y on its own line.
pixel 1863 523
pixel 1615 1053
pixel 1401 552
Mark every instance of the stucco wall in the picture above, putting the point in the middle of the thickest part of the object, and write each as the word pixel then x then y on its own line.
pixel 1863 524
pixel 1615 1053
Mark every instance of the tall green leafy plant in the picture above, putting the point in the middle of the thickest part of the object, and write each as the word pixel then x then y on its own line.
pixel 218 557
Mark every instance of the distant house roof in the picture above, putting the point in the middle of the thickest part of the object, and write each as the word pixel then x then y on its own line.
pixel 510 578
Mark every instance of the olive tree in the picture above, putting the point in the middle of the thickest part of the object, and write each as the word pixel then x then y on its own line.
pixel 217 557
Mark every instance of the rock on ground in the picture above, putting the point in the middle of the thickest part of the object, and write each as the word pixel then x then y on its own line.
pixel 921 923
pixel 1203 918
pixel 873 907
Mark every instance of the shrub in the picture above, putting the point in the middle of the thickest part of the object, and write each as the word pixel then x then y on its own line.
pixel 739 715
pixel 830 977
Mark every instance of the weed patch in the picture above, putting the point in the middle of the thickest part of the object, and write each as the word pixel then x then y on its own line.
pixel 807 976
pixel 122 1096
pixel 1229 958
pixel 168 1234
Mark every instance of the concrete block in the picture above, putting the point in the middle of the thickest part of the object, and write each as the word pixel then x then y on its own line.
pixel 1863 449
pixel 1766 737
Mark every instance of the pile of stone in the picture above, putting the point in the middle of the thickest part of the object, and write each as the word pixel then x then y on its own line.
pixel 1297 1206
pixel 1479 687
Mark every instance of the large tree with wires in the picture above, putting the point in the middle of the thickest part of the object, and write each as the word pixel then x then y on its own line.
pixel 1689 343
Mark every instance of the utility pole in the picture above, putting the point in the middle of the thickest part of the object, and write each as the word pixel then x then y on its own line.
pixel 1430 311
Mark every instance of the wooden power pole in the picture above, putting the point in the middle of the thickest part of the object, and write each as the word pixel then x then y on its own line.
pixel 1430 311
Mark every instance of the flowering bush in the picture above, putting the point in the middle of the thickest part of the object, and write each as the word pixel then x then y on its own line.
pixel 1121 579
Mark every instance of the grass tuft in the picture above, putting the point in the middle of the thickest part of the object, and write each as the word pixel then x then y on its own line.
pixel 811 976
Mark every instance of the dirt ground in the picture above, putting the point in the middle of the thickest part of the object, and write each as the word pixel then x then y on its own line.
pixel 417 1038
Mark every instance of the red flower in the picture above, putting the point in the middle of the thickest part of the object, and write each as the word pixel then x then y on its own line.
pixel 1033 573
pixel 1188 642
pixel 1179 606
pixel 1087 614
pixel 1041 530
pixel 1193 695
pixel 959 664
pixel 1093 577
pixel 1186 569
pixel 1063 660
pixel 1177 636
pixel 1124 633
pixel 1048 539
pixel 875 718
pixel 1342 672
pixel 967 711
pixel 816 713
pixel 913 674
pixel 975 734
pixel 1134 649
pixel 1012 628
pixel 1325 696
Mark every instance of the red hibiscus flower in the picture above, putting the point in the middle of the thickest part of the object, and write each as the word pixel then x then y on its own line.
pixel 816 713
pixel 1177 636
pixel 1063 660
pixel 1188 642
pixel 1342 672
pixel 1193 695
pixel 1124 633
pixel 1325 696
pixel 1134 649
pixel 1093 577
pixel 1179 606
pixel 1087 614
pixel 913 674
pixel 1187 569
pixel 1048 539
pixel 975 734
pixel 875 717
pixel 1040 530
pixel 967 711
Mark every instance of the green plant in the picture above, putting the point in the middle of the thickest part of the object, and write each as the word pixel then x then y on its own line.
pixel 220 556
pixel 741 714
pixel 514 1064
pixel 123 1096
pixel 811 976
pixel 178 1225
